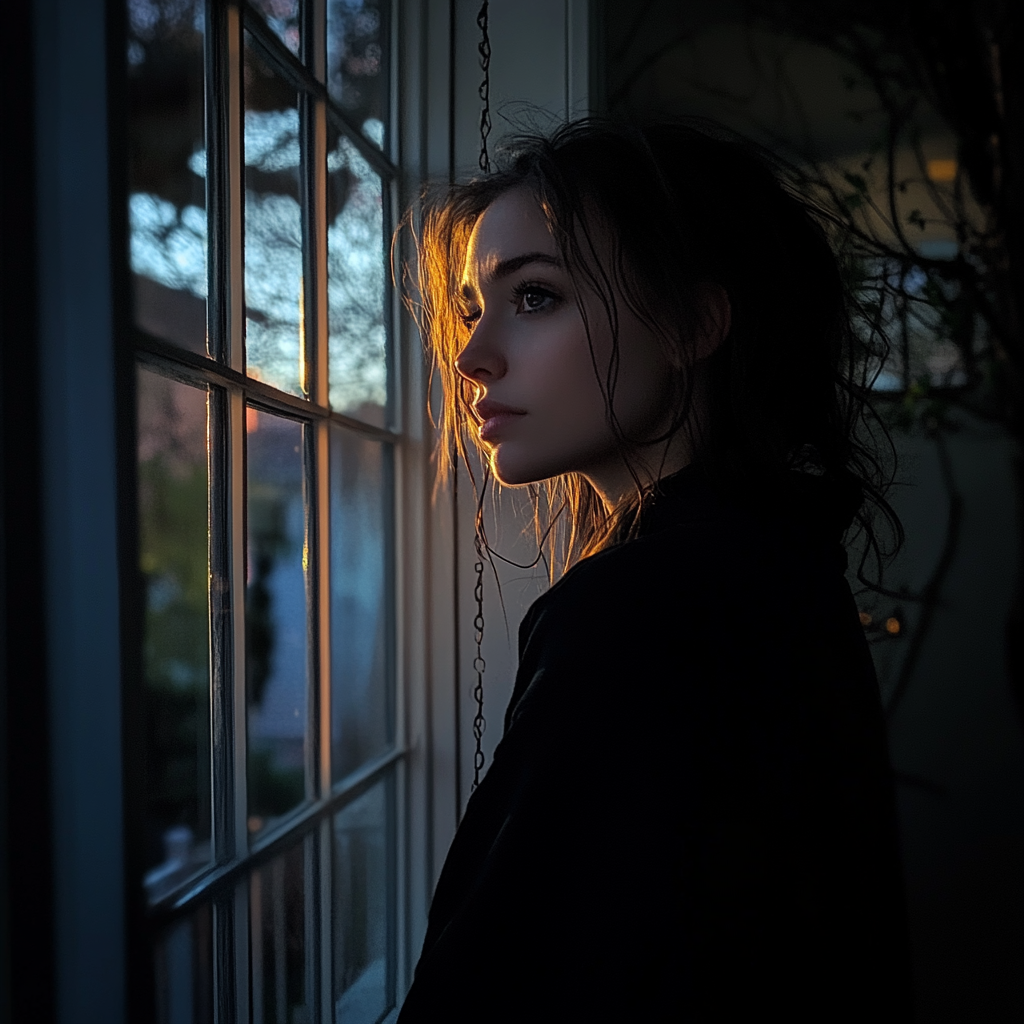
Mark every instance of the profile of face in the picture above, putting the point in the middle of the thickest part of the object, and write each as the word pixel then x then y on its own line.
pixel 538 378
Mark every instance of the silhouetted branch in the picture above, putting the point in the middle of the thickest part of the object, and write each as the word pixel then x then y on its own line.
pixel 931 593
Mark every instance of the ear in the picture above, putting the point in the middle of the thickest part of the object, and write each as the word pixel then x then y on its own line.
pixel 715 318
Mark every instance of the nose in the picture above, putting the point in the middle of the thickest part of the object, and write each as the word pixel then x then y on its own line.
pixel 482 359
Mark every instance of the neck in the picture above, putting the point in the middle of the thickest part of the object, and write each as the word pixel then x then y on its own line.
pixel 619 478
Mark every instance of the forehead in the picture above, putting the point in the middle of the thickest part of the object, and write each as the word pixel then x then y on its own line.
pixel 512 225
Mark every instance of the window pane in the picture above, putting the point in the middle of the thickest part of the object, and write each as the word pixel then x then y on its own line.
pixel 275 617
pixel 356 261
pixel 360 642
pixel 363 988
pixel 184 977
pixel 357 71
pixel 274 348
pixel 283 17
pixel 277 936
pixel 166 169
pixel 174 559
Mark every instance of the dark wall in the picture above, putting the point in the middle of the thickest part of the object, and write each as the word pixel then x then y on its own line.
pixel 955 734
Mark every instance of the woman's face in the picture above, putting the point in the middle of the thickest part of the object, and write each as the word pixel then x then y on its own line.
pixel 538 379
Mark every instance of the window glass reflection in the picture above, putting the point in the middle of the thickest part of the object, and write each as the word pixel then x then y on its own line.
pixel 275 617
pixel 356 263
pixel 357 62
pixel 277 938
pixel 174 561
pixel 274 334
pixel 283 17
pixel 360 642
pixel 166 169
pixel 363 987
pixel 183 970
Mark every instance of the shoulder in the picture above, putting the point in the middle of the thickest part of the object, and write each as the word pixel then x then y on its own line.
pixel 701 560
pixel 645 609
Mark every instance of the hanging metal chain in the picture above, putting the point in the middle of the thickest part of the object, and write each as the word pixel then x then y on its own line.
pixel 479 665
pixel 485 87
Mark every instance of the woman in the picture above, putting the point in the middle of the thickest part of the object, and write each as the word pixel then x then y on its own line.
pixel 689 816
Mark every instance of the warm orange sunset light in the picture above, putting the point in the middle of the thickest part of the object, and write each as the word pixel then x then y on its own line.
pixel 252 420
pixel 941 170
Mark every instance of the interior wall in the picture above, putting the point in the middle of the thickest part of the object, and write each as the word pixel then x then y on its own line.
pixel 955 738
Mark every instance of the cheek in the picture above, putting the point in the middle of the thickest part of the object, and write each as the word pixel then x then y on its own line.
pixel 566 426
pixel 563 378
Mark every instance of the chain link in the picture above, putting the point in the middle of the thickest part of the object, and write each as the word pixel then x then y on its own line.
pixel 479 665
pixel 485 87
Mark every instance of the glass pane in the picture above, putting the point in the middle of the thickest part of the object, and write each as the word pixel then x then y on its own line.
pixel 275 617
pixel 357 65
pixel 360 642
pixel 166 169
pixel 274 348
pixel 283 17
pixel 277 936
pixel 184 970
pixel 356 262
pixel 174 559
pixel 363 988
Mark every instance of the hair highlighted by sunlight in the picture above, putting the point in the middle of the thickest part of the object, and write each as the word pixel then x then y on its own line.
pixel 685 205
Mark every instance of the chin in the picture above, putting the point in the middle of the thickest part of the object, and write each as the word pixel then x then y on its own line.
pixel 512 469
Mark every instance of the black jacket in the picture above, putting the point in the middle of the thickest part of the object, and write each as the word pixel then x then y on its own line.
pixel 690 814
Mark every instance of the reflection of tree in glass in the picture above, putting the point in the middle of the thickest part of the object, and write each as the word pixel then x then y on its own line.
pixel 166 204
pixel 273 225
pixel 165 97
pixel 356 74
pixel 355 274
pixel 283 17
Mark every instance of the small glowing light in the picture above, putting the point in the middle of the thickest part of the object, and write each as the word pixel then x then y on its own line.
pixel 941 170
pixel 865 618
pixel 255 823
pixel 252 420
pixel 892 625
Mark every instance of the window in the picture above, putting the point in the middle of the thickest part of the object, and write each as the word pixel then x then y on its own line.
pixel 261 193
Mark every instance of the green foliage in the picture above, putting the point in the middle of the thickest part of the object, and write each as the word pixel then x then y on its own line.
pixel 174 560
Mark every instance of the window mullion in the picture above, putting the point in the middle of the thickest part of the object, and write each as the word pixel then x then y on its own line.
pixel 226 301
pixel 224 143
pixel 239 813
pixel 319 982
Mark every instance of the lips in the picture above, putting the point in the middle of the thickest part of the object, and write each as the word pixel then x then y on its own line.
pixel 494 417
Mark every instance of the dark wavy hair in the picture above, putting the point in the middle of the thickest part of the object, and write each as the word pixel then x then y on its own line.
pixel 685 204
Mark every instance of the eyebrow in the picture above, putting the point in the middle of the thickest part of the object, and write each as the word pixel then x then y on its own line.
pixel 505 267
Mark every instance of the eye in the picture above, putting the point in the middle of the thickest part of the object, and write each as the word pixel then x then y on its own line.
pixel 532 298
